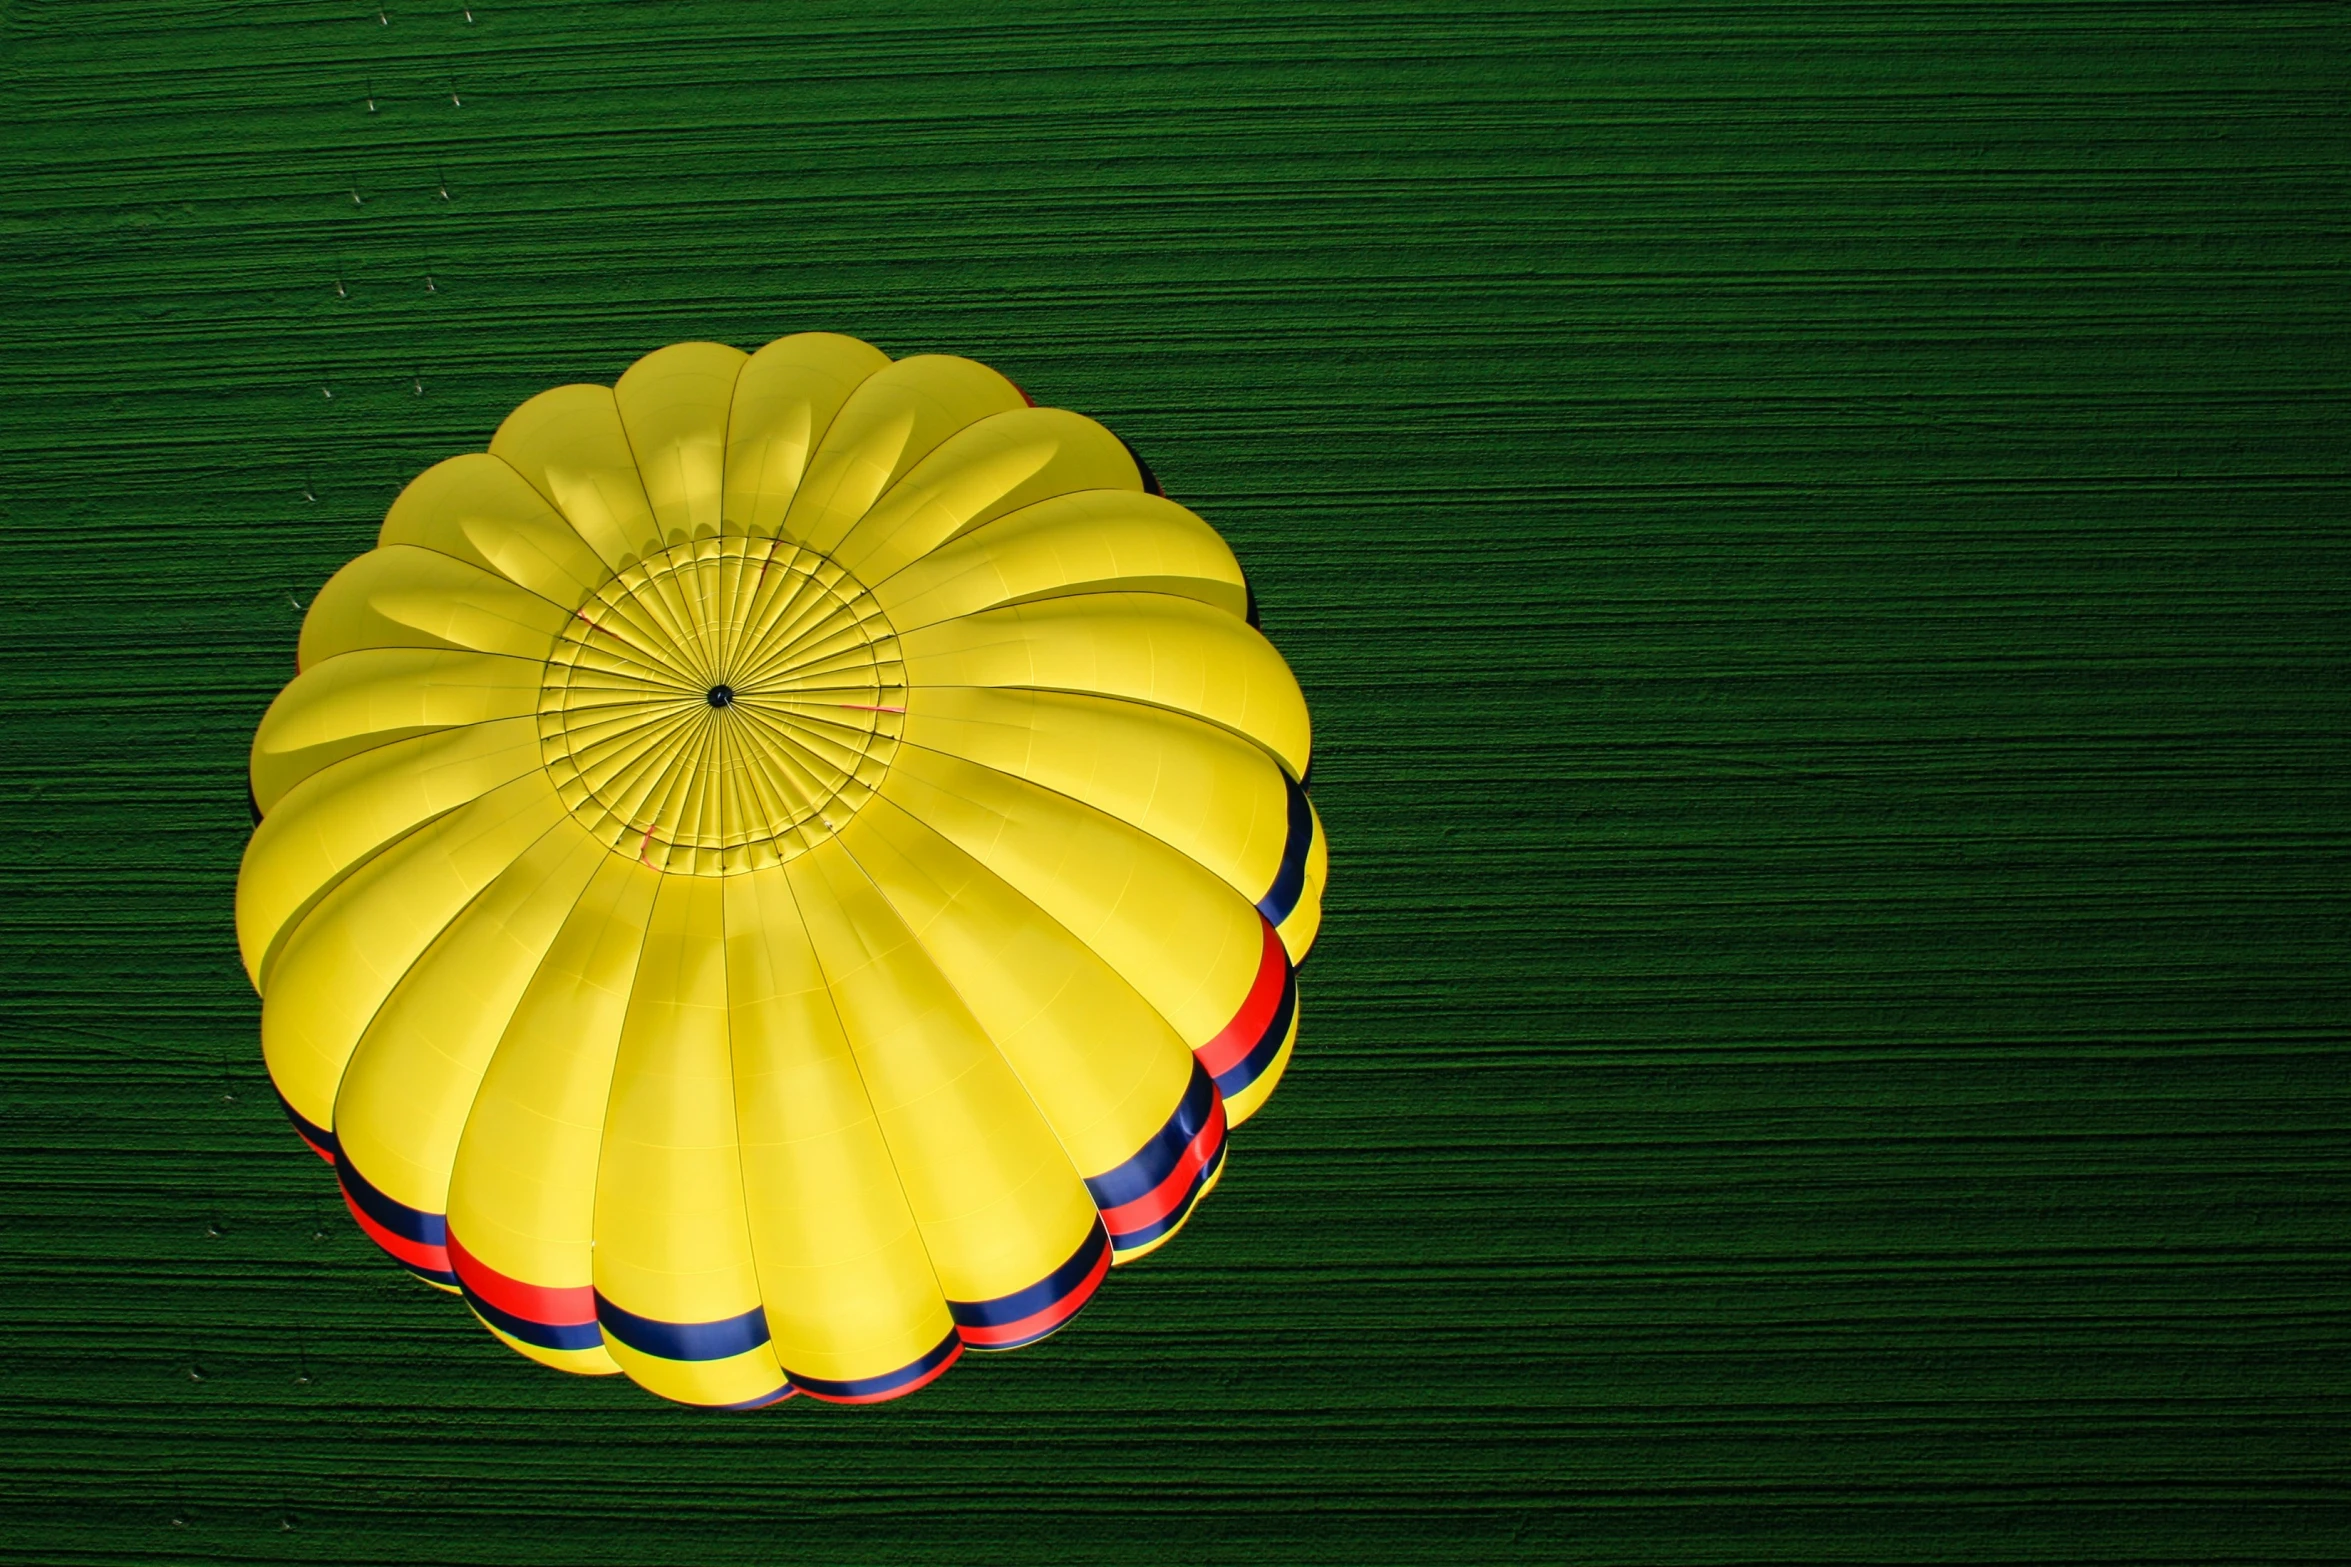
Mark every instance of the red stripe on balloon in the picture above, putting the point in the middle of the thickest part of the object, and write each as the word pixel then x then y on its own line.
pixel 532 1302
pixel 433 1259
pixel 900 1391
pixel 1011 1335
pixel 1248 1026
pixel 1168 1195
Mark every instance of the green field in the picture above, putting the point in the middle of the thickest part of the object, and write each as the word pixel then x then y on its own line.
pixel 1818 538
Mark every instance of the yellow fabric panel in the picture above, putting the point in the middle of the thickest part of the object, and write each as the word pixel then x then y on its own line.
pixel 375 696
pixel 340 815
pixel 785 400
pixel 1250 1100
pixel 996 1197
pixel 1105 1069
pixel 843 1275
pixel 522 1195
pixel 405 1095
pixel 1094 541
pixel 978 474
pixel 344 959
pixel 1145 647
pixel 736 1379
pixel 894 419
pixel 477 509
pixel 1199 789
pixel 595 1362
pixel 1174 931
pixel 1305 921
pixel 673 404
pixel 671 1239
pixel 569 443
pixel 404 596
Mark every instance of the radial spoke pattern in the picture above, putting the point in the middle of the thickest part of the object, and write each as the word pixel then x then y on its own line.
pixel 722 706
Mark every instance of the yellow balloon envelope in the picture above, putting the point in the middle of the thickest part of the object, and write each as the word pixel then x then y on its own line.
pixel 780 870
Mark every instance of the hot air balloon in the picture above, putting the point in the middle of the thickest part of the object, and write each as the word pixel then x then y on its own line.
pixel 781 870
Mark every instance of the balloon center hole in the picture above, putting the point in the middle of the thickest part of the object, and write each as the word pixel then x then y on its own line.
pixel 722 696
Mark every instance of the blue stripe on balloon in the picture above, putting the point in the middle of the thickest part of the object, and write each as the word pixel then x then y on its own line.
pixel 1047 1291
pixel 1250 1067
pixel 1175 1216
pixel 887 1382
pixel 1290 880
pixel 316 1136
pixel 1143 1174
pixel 410 1224
pixel 546 1335
pixel 683 1340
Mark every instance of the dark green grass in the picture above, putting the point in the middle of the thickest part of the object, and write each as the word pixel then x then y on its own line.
pixel 1816 539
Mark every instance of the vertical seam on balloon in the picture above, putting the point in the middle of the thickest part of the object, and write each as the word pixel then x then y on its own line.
pixel 892 483
pixel 275 947
pixel 816 449
pixel 726 444
pixel 639 761
pixel 628 444
pixel 1258 924
pixel 956 991
pixel 604 1120
pixel 1073 800
pixel 1015 515
pixel 557 511
pixel 785 745
pixel 694 787
pixel 1112 696
pixel 648 636
pixel 1191 1064
pixel 726 973
pixel 798 614
pixel 421 730
pixel 710 626
pixel 787 641
pixel 625 769
pixel 651 809
pixel 726 954
pixel 494 575
pixel 471 904
pixel 764 785
pixel 503 1036
pixel 743 585
pixel 725 788
pixel 769 609
pixel 466 1123
pixel 661 591
pixel 726 441
pixel 719 814
pixel 864 1090
pixel 1088 805
pixel 343 1073
pixel 816 440
pixel 840 550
